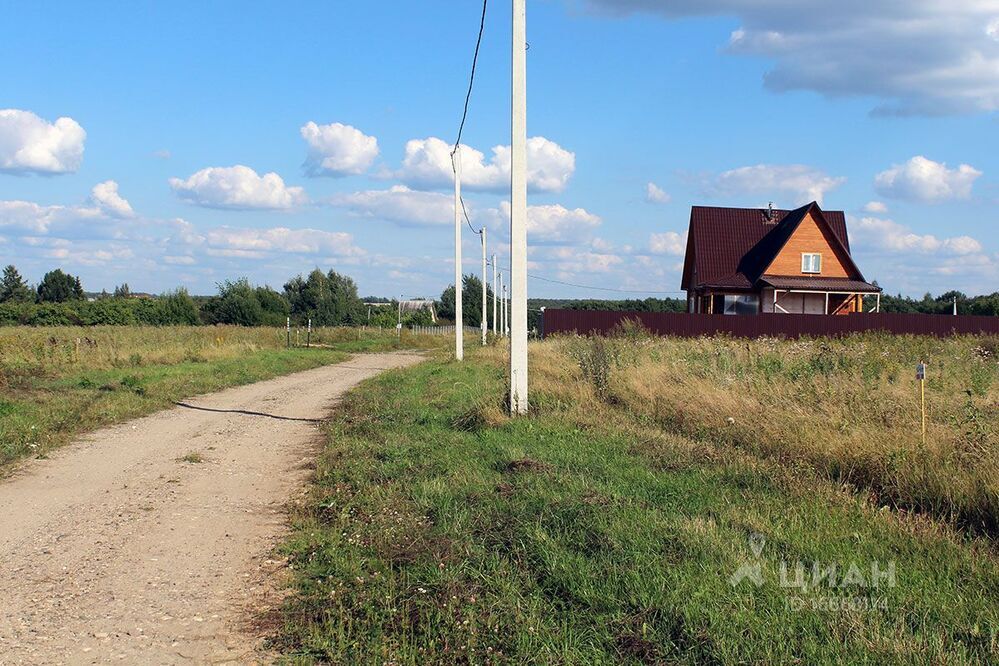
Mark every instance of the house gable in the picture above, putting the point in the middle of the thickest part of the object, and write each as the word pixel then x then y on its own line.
pixel 813 235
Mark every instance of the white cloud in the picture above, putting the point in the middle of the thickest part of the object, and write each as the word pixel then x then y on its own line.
pixel 84 256
pixel 919 56
pixel 601 245
pixel 179 260
pixel 427 165
pixel 668 242
pixel 570 262
pixel 548 223
pixel 888 235
pixel 875 207
pixel 922 179
pixel 656 195
pixel 32 218
pixel 256 243
pixel 26 216
pixel 29 144
pixel 401 205
pixel 105 196
pixel 993 29
pixel 238 188
pixel 556 222
pixel 338 150
pixel 184 233
pixel 797 183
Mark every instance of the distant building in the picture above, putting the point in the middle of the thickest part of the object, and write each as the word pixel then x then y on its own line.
pixel 408 306
pixel 753 260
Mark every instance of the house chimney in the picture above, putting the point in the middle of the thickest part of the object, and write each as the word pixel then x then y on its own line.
pixel 769 212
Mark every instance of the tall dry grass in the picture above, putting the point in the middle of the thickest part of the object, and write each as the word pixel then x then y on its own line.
pixel 847 409
pixel 55 351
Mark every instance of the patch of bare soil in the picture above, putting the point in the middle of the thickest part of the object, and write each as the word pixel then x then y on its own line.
pixel 153 541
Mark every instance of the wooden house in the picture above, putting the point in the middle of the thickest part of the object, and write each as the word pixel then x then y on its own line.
pixel 752 260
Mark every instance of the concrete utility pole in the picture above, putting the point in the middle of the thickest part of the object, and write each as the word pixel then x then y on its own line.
pixel 459 322
pixel 506 313
pixel 518 215
pixel 502 307
pixel 495 298
pixel 485 295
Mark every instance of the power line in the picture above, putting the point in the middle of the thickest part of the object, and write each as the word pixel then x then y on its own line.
pixel 468 221
pixel 589 286
pixel 471 79
pixel 586 286
pixel 464 115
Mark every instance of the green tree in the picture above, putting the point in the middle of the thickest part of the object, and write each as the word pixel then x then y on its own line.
pixel 329 299
pixel 238 304
pixel 122 291
pixel 275 307
pixel 13 288
pixel 471 305
pixel 59 287
pixel 347 304
pixel 177 308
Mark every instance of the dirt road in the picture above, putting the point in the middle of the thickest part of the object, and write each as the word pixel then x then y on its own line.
pixel 123 547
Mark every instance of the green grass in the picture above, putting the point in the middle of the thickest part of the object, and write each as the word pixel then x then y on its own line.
pixel 441 532
pixel 44 413
pixel 57 383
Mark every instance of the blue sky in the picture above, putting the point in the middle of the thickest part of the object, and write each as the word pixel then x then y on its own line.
pixel 139 139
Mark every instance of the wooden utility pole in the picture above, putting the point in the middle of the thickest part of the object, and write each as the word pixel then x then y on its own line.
pixel 518 215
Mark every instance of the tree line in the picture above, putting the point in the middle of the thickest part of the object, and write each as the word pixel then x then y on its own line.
pixel 328 299
pixel 985 305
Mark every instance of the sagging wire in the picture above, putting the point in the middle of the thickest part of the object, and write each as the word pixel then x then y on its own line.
pixel 588 286
pixel 464 115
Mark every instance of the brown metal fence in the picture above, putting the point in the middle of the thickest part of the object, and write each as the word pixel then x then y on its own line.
pixel 600 322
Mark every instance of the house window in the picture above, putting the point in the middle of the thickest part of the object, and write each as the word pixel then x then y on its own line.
pixel 742 305
pixel 811 263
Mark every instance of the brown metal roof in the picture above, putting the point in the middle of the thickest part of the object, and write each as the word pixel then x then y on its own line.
pixel 820 284
pixel 732 246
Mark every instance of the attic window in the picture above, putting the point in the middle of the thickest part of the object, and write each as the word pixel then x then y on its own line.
pixel 811 262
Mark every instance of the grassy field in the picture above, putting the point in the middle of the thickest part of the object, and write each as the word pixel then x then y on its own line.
pixel 698 501
pixel 58 382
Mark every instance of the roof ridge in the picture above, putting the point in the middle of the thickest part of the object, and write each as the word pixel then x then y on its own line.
pixel 723 242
